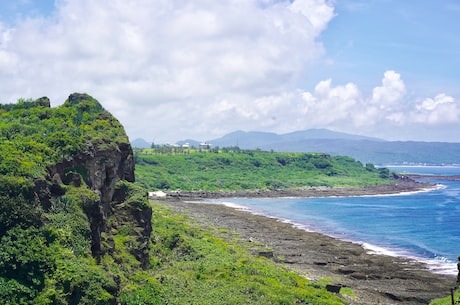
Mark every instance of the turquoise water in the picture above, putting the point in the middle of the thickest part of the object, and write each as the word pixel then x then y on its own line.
pixel 423 225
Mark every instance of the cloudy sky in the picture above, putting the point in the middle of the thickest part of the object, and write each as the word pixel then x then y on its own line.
pixel 177 69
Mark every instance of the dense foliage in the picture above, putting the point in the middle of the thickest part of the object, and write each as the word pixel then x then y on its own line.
pixel 33 135
pixel 45 255
pixel 235 169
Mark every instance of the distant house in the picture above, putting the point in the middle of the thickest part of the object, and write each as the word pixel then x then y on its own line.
pixel 186 145
pixel 172 145
pixel 204 145
pixel 157 194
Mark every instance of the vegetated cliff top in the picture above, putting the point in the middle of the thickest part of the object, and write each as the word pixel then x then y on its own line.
pixel 33 135
pixel 66 178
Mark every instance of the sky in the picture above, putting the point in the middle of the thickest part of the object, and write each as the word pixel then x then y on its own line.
pixel 171 70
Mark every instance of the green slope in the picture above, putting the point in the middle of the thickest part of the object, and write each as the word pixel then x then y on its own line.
pixel 234 169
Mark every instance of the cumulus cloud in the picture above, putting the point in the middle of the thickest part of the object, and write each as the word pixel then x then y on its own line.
pixel 346 108
pixel 390 92
pixel 330 104
pixel 150 57
pixel 442 109
pixel 175 69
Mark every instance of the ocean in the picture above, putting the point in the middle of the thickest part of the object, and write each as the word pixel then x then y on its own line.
pixel 424 226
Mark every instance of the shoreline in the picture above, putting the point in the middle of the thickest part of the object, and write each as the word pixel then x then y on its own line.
pixel 403 185
pixel 433 177
pixel 374 278
pixel 370 248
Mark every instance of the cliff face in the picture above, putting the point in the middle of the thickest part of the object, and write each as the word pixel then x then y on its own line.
pixel 101 164
pixel 66 197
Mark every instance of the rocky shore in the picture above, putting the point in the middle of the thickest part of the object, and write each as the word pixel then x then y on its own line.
pixel 374 279
pixel 403 185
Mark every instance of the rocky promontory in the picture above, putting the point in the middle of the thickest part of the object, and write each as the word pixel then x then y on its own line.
pixel 67 190
pixel 101 164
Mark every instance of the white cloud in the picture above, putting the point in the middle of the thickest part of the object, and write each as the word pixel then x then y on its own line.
pixel 390 92
pixel 442 109
pixel 173 69
pixel 317 11
pixel 346 108
pixel 430 104
pixel 330 104
pixel 144 58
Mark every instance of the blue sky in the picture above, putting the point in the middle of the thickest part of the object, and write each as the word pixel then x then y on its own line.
pixel 12 11
pixel 172 70
pixel 418 39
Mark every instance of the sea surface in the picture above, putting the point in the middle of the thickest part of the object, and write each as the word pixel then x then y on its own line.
pixel 421 225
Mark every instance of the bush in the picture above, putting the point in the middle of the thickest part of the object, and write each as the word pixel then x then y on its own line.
pixel 24 257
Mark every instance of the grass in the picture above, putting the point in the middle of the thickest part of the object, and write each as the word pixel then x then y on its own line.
pixel 251 170
pixel 190 264
pixel 447 300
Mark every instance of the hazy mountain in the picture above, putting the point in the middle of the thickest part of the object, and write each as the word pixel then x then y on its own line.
pixel 378 152
pixel 323 134
pixel 140 143
pixel 257 139
pixel 249 140
pixel 364 149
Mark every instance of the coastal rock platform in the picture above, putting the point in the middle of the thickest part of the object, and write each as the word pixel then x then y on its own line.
pixel 374 279
pixel 402 185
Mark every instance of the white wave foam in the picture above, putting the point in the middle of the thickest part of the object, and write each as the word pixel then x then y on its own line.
pixel 373 249
pixel 403 193
pixel 442 265
pixel 438 265
pixel 406 193
pixel 235 206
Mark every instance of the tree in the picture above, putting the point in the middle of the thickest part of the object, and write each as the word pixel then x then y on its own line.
pixel 384 173
pixel 370 167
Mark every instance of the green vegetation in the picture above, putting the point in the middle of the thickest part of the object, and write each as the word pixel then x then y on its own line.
pixel 190 265
pixel 57 246
pixel 234 169
pixel 448 300
pixel 34 136
pixel 45 243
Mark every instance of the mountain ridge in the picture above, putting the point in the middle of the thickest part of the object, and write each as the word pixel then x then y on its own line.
pixel 363 148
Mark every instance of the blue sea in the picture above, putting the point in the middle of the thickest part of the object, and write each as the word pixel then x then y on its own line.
pixel 424 225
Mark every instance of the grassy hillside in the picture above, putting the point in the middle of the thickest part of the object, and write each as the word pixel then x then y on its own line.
pixel 234 169
pixel 191 265
pixel 62 243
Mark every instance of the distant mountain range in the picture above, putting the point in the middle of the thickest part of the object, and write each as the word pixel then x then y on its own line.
pixel 364 149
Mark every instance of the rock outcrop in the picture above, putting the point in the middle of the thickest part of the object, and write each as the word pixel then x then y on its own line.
pixel 101 164
pixel 67 199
